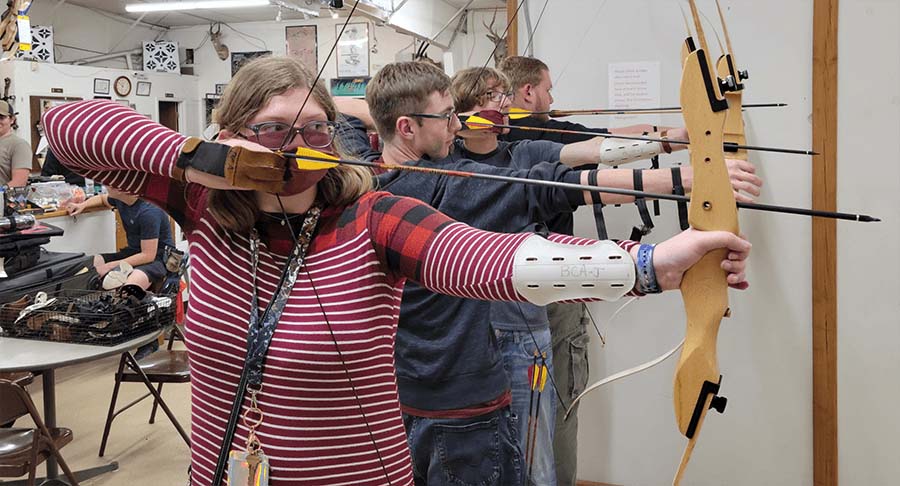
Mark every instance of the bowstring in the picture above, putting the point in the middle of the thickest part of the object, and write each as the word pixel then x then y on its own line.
pixel 287 138
pixel 512 19
pixel 289 135
pixel 536 24
pixel 336 347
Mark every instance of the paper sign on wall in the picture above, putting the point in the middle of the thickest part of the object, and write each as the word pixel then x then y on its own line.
pixel 634 85
pixel 24 25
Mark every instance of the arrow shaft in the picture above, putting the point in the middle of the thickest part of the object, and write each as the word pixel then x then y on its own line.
pixel 628 111
pixel 584 187
pixel 728 146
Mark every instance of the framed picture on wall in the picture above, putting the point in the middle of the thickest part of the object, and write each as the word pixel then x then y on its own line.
pixel 349 86
pixel 101 86
pixel 143 88
pixel 238 59
pixel 300 42
pixel 209 104
pixel 353 51
pixel 220 89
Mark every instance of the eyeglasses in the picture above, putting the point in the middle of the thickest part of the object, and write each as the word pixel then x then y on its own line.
pixel 497 96
pixel 315 134
pixel 438 116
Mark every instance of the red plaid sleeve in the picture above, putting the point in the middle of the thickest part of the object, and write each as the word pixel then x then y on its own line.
pixel 117 146
pixel 415 241
pixel 402 231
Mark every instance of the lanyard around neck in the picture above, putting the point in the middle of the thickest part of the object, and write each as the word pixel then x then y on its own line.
pixel 262 327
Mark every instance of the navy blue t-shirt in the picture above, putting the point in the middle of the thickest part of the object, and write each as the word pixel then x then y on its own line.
pixel 144 221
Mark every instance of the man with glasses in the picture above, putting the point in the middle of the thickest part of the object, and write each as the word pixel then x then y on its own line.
pixel 454 389
pixel 15 153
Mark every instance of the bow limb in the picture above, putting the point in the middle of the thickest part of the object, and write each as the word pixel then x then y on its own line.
pixel 704 288
pixel 622 374
pixel 727 67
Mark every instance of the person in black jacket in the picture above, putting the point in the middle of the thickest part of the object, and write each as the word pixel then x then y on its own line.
pixel 52 166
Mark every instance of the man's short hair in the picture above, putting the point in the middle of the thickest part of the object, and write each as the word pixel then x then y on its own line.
pixel 469 85
pixel 402 88
pixel 523 70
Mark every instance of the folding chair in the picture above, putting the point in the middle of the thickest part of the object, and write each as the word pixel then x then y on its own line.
pixel 163 366
pixel 22 449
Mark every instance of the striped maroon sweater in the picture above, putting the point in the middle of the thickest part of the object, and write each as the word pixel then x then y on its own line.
pixel 313 433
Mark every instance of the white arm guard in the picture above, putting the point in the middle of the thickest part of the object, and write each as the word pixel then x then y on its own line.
pixel 545 271
pixel 615 151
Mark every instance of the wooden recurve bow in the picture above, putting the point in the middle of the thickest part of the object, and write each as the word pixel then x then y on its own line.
pixel 704 288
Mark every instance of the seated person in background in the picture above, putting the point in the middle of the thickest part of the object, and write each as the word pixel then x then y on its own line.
pixel 148 232
pixel 15 153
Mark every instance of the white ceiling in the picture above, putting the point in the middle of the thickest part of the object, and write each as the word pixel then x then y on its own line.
pixel 201 17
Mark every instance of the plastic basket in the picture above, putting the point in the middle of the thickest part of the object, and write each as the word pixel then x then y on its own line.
pixel 104 318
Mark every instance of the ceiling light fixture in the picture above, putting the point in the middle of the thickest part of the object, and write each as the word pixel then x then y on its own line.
pixel 193 5
pixel 307 13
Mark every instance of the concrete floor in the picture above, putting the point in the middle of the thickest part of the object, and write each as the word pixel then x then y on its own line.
pixel 147 454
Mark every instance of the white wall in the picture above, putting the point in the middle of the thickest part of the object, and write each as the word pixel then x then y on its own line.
pixel 80 32
pixel 39 79
pixel 628 434
pixel 269 36
pixel 868 257
pixel 94 33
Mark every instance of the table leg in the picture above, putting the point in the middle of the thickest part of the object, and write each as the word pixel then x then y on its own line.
pixel 48 381
pixel 82 475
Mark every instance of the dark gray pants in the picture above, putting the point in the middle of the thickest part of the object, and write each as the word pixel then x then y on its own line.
pixel 568 329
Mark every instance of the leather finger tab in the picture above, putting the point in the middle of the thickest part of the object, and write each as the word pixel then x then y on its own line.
pixel 232 165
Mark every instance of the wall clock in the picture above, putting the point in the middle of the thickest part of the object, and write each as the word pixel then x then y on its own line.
pixel 122 86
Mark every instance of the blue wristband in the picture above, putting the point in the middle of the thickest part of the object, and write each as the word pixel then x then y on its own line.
pixel 646 275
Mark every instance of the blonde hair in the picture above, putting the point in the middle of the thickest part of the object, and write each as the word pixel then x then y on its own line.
pixel 402 88
pixel 469 86
pixel 521 70
pixel 251 89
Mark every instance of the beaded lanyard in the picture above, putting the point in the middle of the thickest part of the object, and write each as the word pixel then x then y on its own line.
pixel 252 461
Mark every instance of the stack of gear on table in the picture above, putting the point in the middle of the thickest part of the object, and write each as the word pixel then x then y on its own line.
pixel 19 249
pixel 87 317
pixel 26 267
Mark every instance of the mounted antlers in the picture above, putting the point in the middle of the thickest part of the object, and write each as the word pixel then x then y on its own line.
pixel 500 51
pixel 216 39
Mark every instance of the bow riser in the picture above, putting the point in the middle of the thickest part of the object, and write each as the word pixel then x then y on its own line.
pixel 712 208
pixel 704 288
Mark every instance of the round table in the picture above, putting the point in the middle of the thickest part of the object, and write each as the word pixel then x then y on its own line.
pixel 45 357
